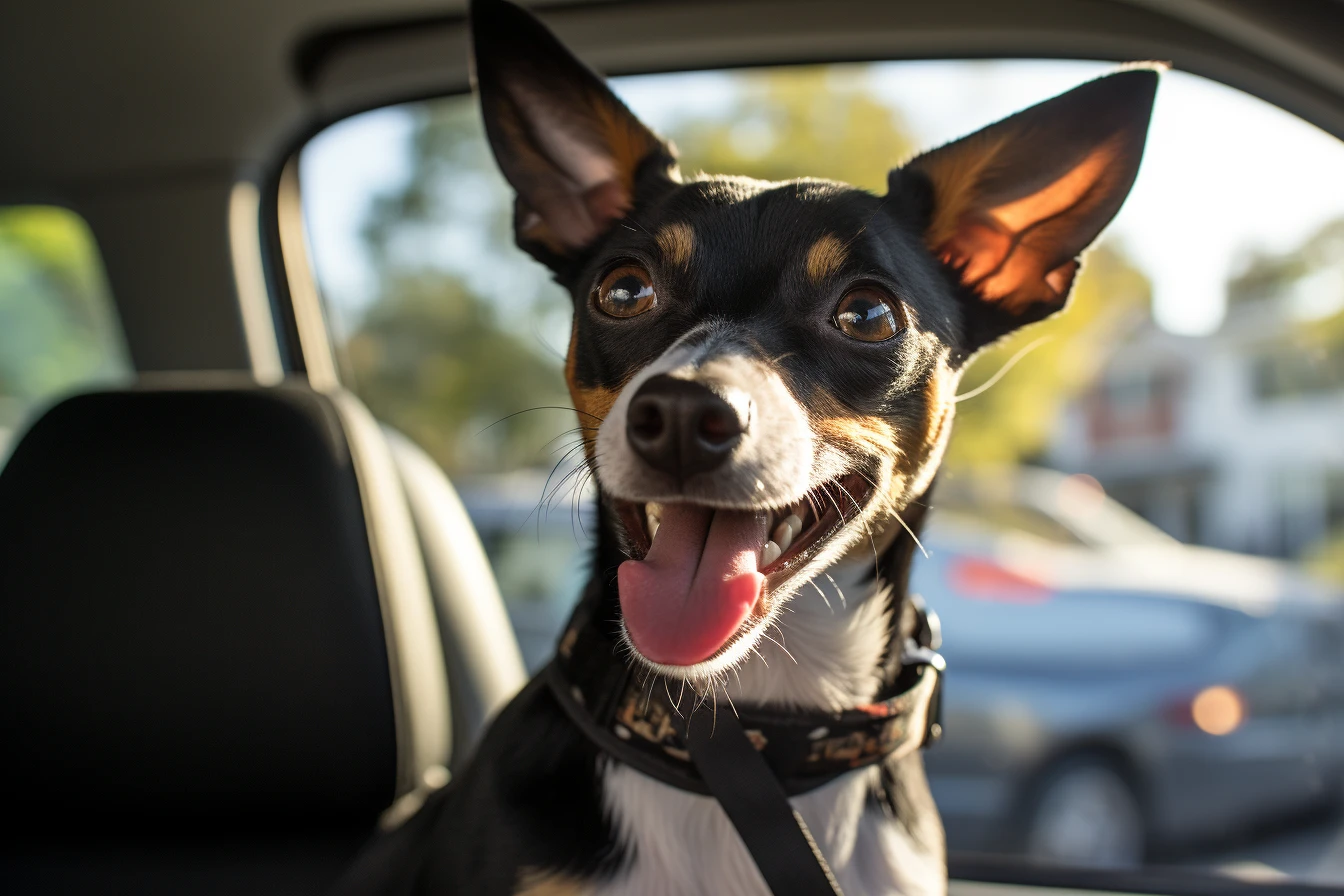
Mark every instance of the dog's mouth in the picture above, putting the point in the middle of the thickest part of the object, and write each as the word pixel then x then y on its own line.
pixel 702 576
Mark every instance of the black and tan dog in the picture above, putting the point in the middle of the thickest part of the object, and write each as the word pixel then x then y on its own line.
pixel 765 373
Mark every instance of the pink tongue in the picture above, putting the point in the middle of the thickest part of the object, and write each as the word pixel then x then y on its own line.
pixel 697 584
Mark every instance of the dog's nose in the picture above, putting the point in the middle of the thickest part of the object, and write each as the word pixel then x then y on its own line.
pixel 681 427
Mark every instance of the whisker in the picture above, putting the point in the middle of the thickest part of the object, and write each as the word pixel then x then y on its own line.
pixel 838 592
pixel 867 528
pixel 1002 371
pixel 542 501
pixel 648 695
pixel 780 646
pixel 729 698
pixel 568 432
pixel 826 600
pixel 544 407
pixel 918 543
pixel 812 501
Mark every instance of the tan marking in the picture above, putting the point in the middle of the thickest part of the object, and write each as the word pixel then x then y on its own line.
pixel 825 258
pixel 677 243
pixel 872 435
pixel 939 396
pixel 534 882
pixel 909 449
pixel 593 403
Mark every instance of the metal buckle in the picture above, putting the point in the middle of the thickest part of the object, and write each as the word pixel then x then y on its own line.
pixel 922 650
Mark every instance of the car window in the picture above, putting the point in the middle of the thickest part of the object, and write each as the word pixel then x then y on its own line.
pixel 1165 454
pixel 58 328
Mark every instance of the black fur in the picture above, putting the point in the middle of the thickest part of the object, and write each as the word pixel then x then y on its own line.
pixel 595 189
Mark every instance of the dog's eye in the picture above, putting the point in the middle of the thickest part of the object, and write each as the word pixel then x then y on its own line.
pixel 868 315
pixel 625 292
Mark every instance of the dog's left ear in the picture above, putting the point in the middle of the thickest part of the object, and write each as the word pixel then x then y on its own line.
pixel 574 153
pixel 1011 207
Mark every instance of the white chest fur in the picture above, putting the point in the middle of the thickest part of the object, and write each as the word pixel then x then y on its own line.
pixel 682 844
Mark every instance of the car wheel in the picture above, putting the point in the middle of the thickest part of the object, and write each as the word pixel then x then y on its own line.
pixel 1085 814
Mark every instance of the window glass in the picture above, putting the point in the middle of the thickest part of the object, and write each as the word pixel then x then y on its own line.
pixel 58 329
pixel 1138 497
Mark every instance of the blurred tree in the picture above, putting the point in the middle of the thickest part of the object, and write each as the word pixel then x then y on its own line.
pixel 57 327
pixel 1012 420
pixel 1307 283
pixel 1326 557
pixel 1270 276
pixel 449 350
pixel 445 239
pixel 430 360
pixel 809 121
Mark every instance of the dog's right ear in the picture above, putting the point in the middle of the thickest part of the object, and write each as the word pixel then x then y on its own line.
pixel 574 153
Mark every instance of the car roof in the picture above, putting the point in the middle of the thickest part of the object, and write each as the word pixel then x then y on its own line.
pixel 135 88
pixel 143 115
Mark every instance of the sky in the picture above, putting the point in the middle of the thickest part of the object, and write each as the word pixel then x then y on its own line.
pixel 1223 172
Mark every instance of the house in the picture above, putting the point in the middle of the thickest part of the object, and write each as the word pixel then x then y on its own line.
pixel 1233 440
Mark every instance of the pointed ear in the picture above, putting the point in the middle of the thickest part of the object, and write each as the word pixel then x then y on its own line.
pixel 1012 206
pixel 573 152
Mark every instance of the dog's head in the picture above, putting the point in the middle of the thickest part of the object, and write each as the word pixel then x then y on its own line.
pixel 766 371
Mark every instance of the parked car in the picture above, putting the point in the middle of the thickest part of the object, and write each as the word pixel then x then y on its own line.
pixel 1113 692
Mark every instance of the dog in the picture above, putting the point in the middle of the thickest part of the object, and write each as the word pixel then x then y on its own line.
pixel 765 377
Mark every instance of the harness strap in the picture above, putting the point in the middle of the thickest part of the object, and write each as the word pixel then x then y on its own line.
pixel 753 758
pixel 775 835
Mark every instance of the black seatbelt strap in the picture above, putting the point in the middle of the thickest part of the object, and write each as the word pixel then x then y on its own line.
pixel 775 835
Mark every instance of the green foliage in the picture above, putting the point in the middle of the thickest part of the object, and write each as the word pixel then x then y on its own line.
pixel 1011 421
pixel 787 123
pixel 1306 285
pixel 56 325
pixel 1267 275
pixel 429 359
pixel 1326 557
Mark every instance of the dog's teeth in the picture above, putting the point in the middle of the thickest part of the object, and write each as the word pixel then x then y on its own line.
pixel 795 524
pixel 770 554
pixel 653 512
pixel 784 535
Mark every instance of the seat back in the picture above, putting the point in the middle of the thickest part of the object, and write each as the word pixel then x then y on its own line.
pixel 217 664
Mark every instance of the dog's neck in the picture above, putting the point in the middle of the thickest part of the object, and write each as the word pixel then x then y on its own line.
pixel 826 652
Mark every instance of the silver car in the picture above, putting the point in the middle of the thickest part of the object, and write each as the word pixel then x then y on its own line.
pixel 1112 693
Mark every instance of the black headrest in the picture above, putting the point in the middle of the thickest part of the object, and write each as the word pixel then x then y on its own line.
pixel 190 628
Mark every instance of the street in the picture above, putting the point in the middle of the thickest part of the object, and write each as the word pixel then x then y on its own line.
pixel 1307 854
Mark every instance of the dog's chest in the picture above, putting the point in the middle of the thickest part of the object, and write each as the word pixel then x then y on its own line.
pixel 682 844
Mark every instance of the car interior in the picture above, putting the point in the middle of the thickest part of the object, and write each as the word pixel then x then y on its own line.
pixel 244 621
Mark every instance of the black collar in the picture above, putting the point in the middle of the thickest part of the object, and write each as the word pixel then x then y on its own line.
pixel 635 718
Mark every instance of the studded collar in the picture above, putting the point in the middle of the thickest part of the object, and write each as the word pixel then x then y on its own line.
pixel 641 720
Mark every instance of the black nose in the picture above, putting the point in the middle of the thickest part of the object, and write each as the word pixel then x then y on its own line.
pixel 681 427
